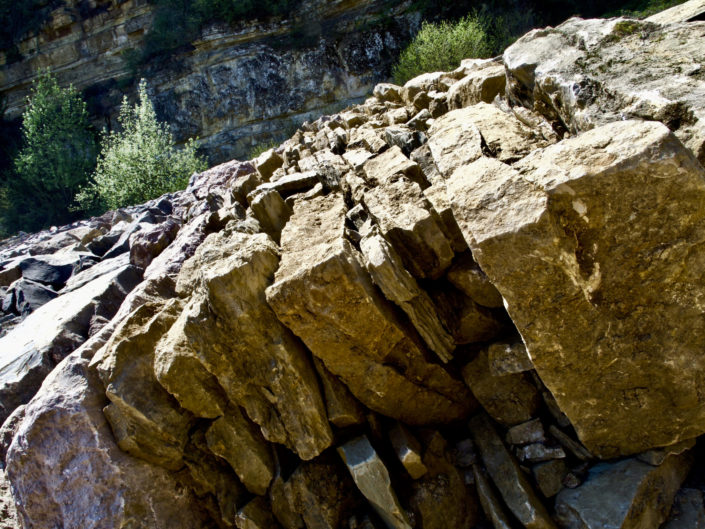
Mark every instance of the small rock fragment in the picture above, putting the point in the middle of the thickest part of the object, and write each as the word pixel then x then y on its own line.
pixel 342 408
pixel 509 358
pixel 467 276
pixel 408 450
pixel 537 452
pixel 549 476
pixel 574 447
pixel 688 511
pixel 526 433
pixel 256 515
pixel 491 505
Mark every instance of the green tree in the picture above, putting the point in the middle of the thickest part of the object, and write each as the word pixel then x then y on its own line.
pixel 57 156
pixel 140 162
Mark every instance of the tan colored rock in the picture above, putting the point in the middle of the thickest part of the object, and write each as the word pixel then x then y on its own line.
pixel 467 321
pixel 234 334
pixel 257 514
pixel 549 476
pixel 561 215
pixel 508 477
pixel 387 92
pixel 624 494
pixel 409 222
pixel 467 276
pixel 329 167
pixel 483 81
pixel 389 166
pixel 270 210
pixel 343 409
pixel 267 162
pixel 685 12
pixel 507 358
pixel 408 450
pixel 438 197
pixel 372 478
pixel 350 327
pixel 239 442
pixel 387 271
pixel 423 83
pixel 367 138
pixel 509 399
pixel 454 140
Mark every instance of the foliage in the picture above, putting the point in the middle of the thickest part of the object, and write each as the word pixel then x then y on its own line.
pixel 441 46
pixel 57 155
pixel 642 8
pixel 140 162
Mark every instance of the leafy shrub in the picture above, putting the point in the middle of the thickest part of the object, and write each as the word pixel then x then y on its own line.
pixel 140 162
pixel 57 156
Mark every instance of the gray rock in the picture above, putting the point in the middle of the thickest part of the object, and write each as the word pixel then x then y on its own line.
pixel 526 433
pixel 624 494
pixel 372 478
pixel 25 296
pixel 508 358
pixel 549 476
pixel 537 452
pixel 687 512
pixel 491 505
pixel 257 514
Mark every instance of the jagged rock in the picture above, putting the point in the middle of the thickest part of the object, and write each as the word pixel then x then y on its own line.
pixel 625 494
pixel 509 399
pixel 508 358
pixel 549 476
pixel 425 82
pixel 25 296
pixel 267 163
pixel 146 245
pixel 687 512
pixel 467 321
pixel 53 331
pixel 483 80
pixel 239 442
pixel 387 92
pixel 537 452
pixel 468 277
pixel 440 498
pixel 372 478
pixel 561 214
pixel 350 327
pixel 491 505
pixel 685 12
pixel 270 210
pixel 390 166
pixel 9 518
pixel 146 420
pixel 367 138
pixel 232 332
pixel 342 408
pixel 257 514
pixel 573 446
pixel 657 456
pixel 10 272
pixel 64 447
pixel 526 433
pixel 454 140
pixel 292 183
pixel 398 285
pixel 508 477
pixel 464 455
pixel 328 166
pixel 411 225
pixel 582 74
pixel 54 270
pixel 437 196
pixel 408 450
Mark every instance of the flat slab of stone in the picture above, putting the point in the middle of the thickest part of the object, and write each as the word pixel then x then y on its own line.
pixel 598 305
pixel 323 293
pixel 454 140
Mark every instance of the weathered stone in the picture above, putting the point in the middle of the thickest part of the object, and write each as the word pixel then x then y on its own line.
pixel 422 83
pixel 537 452
pixel 146 420
pixel 657 456
pixel 570 444
pixel 257 514
pixel 467 321
pixel 408 450
pixel 491 505
pixel 342 408
pixel 267 162
pixel 467 276
pixel 509 399
pixel 483 81
pixel 372 478
pixel 463 453
pixel 562 217
pixel 367 138
pixel 51 270
pixel 240 443
pixel 389 166
pixel 582 75
pixel 357 158
pixel 64 447
pixel 508 358
pixel 234 334
pixel 549 476
pixel 350 327
pixel 526 433
pixel 25 296
pixel 438 197
pixel 687 512
pixel 53 331
pixel 387 271
pixel 685 12
pixel 454 141
pixel 270 210
pixel 387 92
pixel 10 272
pixel 412 226
pixel 420 120
pixel 292 183
pixel 146 245
pixel 508 477
pixel 329 167
pixel 625 494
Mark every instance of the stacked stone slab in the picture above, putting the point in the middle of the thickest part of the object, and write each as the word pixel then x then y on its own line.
pixel 461 303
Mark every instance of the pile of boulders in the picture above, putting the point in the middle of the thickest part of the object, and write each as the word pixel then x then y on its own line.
pixel 471 301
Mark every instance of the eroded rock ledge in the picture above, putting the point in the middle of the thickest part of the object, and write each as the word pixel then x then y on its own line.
pixel 475 300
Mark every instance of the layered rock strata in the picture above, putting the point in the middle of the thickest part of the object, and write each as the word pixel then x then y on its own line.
pixel 460 304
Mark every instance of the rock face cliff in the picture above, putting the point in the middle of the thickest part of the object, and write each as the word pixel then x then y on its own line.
pixel 472 301
pixel 234 88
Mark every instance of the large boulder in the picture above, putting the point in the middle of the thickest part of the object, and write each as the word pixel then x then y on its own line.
pixel 594 244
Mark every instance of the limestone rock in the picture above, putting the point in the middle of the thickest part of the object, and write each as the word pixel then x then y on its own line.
pixel 53 331
pixel 389 166
pixel 342 408
pixel 267 163
pixel 561 215
pixel 270 210
pixel 408 450
pixel 508 358
pixel 350 327
pixel 509 399
pixel 685 12
pixel 64 446
pixel 508 477
pixel 526 433
pixel 25 296
pixel 549 476
pixel 688 511
pixel 412 226
pixel 438 197
pixel 257 514
pixel 398 285
pixel 372 478
pixel 631 494
pixel 229 328
pixel 454 140
pixel 147 244
pixel 467 276
pixel 483 80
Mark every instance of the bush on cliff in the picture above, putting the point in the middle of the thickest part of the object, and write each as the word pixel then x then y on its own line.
pixel 140 162
pixel 57 156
